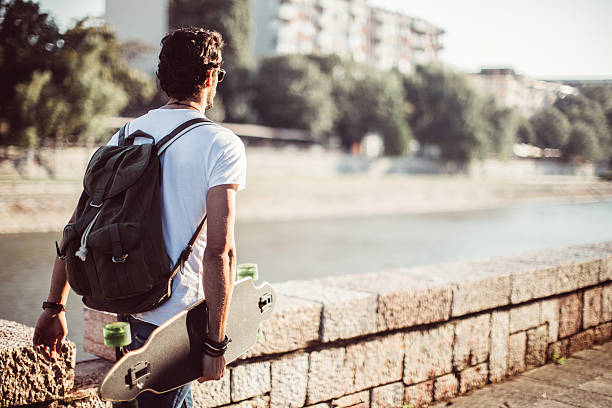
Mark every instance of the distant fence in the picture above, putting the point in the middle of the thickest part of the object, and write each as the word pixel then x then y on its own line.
pixel 414 336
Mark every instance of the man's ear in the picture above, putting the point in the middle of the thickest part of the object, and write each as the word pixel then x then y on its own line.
pixel 209 78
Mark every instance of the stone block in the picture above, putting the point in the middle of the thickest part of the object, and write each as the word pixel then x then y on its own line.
pixel 524 317
pixel 250 380
pixel 289 381
pixel 533 282
pixel 27 375
pixel 428 353
pixel 581 341
pixel 537 344
pixel 603 333
pixel 550 315
pixel 211 394
pixel 471 341
pixel 517 345
pixel 387 396
pixel 420 394
pixel 553 272
pixel 346 313
pixel 483 284
pixel 477 285
pixel 328 376
pixel 445 387
pixel 603 251
pixel 592 307
pixel 570 315
pixel 320 405
pixel 498 358
pixel 353 400
pixel 375 362
pixel 259 402
pixel 294 325
pixel 93 335
pixel 403 300
pixel 606 303
pixel 473 378
pixel 557 350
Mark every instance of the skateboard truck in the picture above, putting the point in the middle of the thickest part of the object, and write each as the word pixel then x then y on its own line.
pixel 137 374
pixel 265 302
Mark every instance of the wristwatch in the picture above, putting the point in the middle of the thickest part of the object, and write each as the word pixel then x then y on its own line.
pixel 55 306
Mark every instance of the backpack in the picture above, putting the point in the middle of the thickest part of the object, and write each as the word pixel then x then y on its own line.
pixel 115 254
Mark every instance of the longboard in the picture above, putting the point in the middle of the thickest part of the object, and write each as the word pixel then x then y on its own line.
pixel 171 357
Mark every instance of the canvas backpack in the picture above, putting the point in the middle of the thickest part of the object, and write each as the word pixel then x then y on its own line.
pixel 115 254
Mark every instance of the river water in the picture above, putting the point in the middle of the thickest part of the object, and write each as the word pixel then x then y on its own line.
pixel 291 250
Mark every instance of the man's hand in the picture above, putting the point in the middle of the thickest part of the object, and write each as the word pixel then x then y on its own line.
pixel 213 368
pixel 50 331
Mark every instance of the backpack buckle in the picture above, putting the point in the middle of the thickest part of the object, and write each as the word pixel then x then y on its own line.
pixel 120 259
pixel 96 205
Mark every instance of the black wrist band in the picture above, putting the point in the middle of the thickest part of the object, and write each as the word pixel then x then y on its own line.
pixel 55 306
pixel 215 349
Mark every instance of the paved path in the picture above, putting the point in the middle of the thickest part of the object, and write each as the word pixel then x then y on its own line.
pixel 583 380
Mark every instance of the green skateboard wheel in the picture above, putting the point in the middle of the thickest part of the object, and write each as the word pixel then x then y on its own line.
pixel 247 270
pixel 117 334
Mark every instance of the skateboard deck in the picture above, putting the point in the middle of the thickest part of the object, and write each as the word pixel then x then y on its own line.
pixel 171 357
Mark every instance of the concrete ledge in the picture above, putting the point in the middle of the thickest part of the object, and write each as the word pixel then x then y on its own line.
pixel 416 335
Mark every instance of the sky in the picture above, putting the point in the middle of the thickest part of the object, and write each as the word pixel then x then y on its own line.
pixel 548 39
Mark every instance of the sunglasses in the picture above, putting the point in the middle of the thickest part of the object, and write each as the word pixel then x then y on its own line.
pixel 220 75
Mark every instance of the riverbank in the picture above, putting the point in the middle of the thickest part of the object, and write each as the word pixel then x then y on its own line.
pixel 44 205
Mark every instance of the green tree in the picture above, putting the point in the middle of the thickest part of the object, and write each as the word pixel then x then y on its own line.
pixel 28 39
pixel 367 100
pixel 583 144
pixel 551 127
pixel 525 132
pixel 446 112
pixel 70 83
pixel 291 91
pixel 501 126
pixel 72 101
pixel 231 18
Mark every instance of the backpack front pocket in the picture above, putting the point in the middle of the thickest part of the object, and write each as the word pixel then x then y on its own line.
pixel 120 259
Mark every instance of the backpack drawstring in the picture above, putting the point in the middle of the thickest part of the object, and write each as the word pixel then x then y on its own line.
pixel 82 252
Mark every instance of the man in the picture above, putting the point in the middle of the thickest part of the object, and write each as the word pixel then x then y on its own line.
pixel 202 171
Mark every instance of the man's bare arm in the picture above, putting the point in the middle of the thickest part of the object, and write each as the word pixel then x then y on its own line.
pixel 51 328
pixel 219 268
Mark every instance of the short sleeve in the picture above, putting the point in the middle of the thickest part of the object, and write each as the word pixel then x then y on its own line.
pixel 230 163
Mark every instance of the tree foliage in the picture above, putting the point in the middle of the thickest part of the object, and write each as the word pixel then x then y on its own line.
pixel 291 91
pixel 502 128
pixel 67 95
pixel 583 143
pixel 367 100
pixel 551 127
pixel 447 112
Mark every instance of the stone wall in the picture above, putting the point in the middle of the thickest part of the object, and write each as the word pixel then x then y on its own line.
pixel 408 336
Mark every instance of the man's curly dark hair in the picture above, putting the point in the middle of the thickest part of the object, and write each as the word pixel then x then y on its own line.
pixel 186 56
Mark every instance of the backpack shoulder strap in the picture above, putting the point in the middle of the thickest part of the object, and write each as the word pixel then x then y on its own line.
pixel 183 128
pixel 188 249
pixel 121 138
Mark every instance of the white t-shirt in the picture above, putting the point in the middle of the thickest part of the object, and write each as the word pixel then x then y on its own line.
pixel 206 156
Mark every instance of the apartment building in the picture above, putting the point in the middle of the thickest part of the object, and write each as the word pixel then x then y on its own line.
pixel 511 89
pixel 348 28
